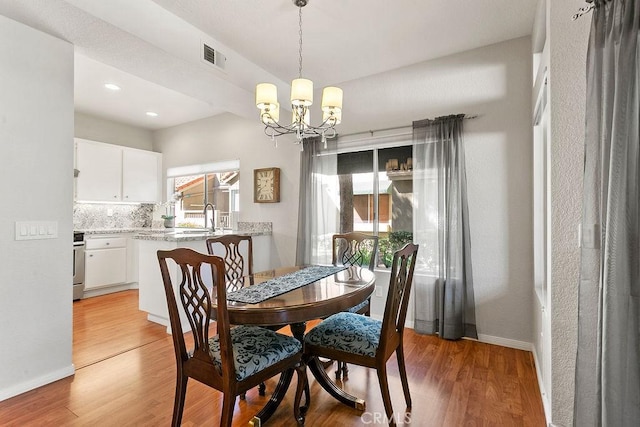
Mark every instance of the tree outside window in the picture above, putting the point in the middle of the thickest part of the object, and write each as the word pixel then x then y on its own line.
pixel 376 197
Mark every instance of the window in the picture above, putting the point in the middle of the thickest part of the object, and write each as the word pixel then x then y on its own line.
pixel 194 191
pixel 376 196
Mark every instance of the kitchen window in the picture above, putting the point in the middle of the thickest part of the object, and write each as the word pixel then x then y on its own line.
pixel 217 184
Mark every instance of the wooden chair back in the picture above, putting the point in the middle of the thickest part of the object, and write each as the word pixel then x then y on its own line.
pixel 395 310
pixel 230 248
pixel 193 272
pixel 355 249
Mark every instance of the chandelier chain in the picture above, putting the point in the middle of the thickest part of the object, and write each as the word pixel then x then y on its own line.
pixel 300 42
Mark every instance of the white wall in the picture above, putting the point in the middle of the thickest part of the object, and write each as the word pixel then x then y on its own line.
pixel 102 130
pixel 36 180
pixel 228 137
pixel 493 82
pixel 567 89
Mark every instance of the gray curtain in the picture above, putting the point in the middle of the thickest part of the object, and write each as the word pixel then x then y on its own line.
pixel 318 213
pixel 607 389
pixel 444 302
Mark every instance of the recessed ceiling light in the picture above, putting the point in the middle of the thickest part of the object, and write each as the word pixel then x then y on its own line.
pixel 152 114
pixel 111 86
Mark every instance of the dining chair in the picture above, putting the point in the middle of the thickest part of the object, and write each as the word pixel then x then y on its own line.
pixel 369 342
pixel 354 249
pixel 236 358
pixel 231 247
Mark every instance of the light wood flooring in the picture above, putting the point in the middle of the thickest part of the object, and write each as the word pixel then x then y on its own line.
pixel 125 376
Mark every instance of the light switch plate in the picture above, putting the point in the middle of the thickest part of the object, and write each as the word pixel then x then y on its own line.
pixel 36 230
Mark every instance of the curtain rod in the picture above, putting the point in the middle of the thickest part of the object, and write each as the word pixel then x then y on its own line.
pixel 584 10
pixel 406 129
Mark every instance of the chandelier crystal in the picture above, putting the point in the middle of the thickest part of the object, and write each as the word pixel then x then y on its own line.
pixel 301 100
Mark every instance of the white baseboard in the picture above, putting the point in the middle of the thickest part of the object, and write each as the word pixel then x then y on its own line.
pixel 546 405
pixel 159 320
pixel 505 342
pixel 109 289
pixel 37 382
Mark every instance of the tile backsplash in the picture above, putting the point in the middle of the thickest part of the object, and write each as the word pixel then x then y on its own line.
pixel 89 216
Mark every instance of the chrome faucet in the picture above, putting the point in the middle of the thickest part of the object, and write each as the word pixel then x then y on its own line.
pixel 213 216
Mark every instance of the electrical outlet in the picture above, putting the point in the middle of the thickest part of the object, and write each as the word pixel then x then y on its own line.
pixel 378 291
pixel 109 212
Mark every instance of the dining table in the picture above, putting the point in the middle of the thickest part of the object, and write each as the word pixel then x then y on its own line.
pixel 293 297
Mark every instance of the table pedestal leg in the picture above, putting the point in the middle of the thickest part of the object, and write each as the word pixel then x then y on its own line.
pixel 315 365
pixel 283 384
pixel 277 396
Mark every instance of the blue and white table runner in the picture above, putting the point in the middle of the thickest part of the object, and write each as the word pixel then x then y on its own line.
pixel 282 284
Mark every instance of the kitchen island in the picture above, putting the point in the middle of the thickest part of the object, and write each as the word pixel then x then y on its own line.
pixel 151 289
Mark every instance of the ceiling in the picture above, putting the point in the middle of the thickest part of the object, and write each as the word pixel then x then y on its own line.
pixel 152 48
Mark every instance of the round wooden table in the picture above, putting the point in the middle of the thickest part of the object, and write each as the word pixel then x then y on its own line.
pixel 332 294
pixel 324 297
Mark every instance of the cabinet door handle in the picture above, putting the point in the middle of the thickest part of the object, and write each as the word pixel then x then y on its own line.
pixel 90 255
pixel 107 243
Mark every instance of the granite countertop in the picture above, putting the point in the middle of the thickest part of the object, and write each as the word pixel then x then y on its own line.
pixel 182 234
pixel 170 234
pixel 191 235
pixel 130 230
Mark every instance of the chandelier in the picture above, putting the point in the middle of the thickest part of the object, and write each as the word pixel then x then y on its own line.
pixel 301 100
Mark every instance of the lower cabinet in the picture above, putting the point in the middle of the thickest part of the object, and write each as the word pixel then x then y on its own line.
pixel 105 261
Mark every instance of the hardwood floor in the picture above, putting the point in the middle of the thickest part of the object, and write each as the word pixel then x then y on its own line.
pixel 125 376
pixel 109 325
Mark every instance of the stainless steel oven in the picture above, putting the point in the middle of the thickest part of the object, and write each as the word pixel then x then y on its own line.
pixel 78 265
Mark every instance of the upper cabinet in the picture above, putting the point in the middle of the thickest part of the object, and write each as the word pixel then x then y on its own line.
pixel 140 180
pixel 112 173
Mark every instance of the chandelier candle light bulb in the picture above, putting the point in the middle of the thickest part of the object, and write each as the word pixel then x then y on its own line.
pixel 301 99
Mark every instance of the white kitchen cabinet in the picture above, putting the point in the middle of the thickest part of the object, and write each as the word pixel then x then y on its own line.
pixel 140 179
pixel 100 171
pixel 112 173
pixel 105 261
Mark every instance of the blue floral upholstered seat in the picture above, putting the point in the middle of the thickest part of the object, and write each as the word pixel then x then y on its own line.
pixel 348 332
pixel 254 349
pixel 356 308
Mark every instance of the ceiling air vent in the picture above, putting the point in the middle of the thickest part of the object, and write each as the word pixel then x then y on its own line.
pixel 213 56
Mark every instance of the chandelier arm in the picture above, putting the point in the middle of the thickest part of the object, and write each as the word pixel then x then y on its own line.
pixel 281 129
